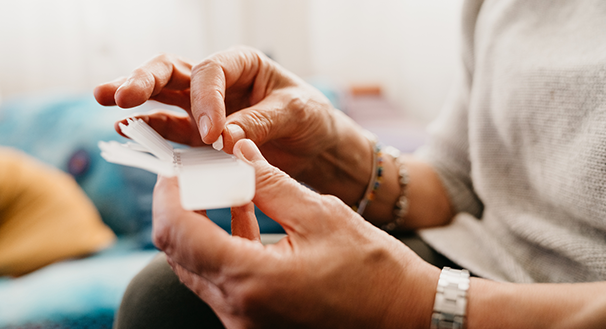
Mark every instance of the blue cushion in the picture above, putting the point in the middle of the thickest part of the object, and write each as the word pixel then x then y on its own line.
pixel 63 130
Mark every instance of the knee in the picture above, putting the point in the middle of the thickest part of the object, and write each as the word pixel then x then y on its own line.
pixel 156 298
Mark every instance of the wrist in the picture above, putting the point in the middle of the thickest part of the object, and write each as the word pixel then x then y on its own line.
pixel 450 305
pixel 344 168
pixel 412 305
pixel 382 210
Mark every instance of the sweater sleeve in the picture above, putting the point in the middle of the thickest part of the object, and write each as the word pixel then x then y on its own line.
pixel 447 150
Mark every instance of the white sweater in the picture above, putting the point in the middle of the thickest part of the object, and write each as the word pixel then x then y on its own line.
pixel 521 144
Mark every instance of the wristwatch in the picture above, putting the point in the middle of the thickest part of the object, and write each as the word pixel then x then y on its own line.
pixel 451 299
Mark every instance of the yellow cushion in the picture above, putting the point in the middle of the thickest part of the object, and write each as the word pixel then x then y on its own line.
pixel 44 216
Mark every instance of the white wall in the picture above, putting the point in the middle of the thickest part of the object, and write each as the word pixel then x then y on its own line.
pixel 279 28
pixel 406 46
pixel 409 47
pixel 75 44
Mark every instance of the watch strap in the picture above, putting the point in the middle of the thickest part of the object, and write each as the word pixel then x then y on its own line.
pixel 451 299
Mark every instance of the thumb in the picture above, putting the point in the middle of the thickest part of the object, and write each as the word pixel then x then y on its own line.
pixel 260 123
pixel 282 198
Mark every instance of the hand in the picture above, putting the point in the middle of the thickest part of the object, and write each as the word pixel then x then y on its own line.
pixel 239 93
pixel 332 270
pixel 294 125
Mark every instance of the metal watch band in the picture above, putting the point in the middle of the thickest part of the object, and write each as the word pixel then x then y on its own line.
pixel 451 299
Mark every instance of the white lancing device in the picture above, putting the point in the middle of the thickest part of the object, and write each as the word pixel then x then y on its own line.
pixel 208 178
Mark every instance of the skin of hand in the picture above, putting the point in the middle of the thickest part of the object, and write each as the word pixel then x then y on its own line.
pixel 332 270
pixel 239 93
pixel 294 125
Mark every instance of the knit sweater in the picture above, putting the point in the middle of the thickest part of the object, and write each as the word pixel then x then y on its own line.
pixel 520 145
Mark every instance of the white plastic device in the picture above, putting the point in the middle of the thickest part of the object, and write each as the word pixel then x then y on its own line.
pixel 208 179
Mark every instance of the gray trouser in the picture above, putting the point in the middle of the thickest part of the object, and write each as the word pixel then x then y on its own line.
pixel 155 298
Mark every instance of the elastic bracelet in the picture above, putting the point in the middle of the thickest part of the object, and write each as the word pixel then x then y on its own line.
pixel 375 180
pixel 401 207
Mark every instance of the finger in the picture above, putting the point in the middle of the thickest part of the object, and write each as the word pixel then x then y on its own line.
pixel 231 134
pixel 280 197
pixel 163 71
pixel 212 78
pixel 244 222
pixel 104 93
pixel 178 98
pixel 262 122
pixel 258 123
pixel 173 127
pixel 283 114
pixel 190 239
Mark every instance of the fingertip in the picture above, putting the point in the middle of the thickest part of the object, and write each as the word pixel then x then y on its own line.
pixel 166 180
pixel 117 126
pixel 210 128
pixel 105 92
pixel 235 132
pixel 164 185
pixel 207 100
pixel 104 95
pixel 247 150
pixel 231 135
pixel 244 222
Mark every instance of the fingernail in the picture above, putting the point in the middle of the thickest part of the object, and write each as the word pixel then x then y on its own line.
pixel 204 126
pixel 218 145
pixel 236 132
pixel 250 151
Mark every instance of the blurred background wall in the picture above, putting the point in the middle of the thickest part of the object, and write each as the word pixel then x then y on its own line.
pixel 407 47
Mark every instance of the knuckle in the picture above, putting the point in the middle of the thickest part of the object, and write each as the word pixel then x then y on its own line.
pixel 206 64
pixel 297 105
pixel 144 76
pixel 376 255
pixel 332 202
pixel 307 111
pixel 243 51
pixel 270 176
pixel 299 109
pixel 338 211
pixel 261 123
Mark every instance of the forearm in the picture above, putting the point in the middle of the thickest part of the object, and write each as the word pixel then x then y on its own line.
pixel 504 305
pixel 428 201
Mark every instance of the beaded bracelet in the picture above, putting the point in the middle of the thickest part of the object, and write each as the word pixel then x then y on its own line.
pixel 401 207
pixel 375 180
